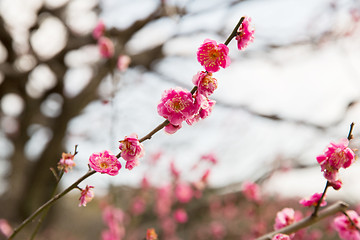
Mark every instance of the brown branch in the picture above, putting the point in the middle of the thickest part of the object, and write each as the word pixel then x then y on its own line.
pixel 308 221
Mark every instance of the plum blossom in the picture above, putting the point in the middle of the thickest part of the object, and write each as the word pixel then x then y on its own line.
pixel 131 148
pixel 212 56
pixel 284 218
pixel 313 200
pixel 336 156
pixel 5 228
pixel 281 236
pixel 114 219
pixel 245 34
pixel 180 215
pixel 66 162
pixel 176 105
pixel 123 62
pixel 183 192
pixel 205 82
pixel 205 107
pixel 151 234
pixel 131 164
pixel 251 191
pixel 106 47
pixel 104 162
pixel 86 195
pixel 345 228
pixel 171 129
pixel 98 30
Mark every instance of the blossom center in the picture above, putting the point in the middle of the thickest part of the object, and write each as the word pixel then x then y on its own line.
pixel 176 104
pixel 214 54
pixel 104 165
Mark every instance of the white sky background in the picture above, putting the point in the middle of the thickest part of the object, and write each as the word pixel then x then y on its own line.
pixel 300 83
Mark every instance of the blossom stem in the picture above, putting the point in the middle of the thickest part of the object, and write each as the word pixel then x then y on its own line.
pixel 350 136
pixel 351 221
pixel 320 200
pixel 49 203
pixel 233 34
pixel 329 211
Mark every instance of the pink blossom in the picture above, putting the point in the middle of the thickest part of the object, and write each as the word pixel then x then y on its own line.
pixel 245 34
pixel 251 191
pixel 151 234
pixel 106 47
pixel 205 82
pixel 5 228
pixel 336 185
pixel 313 200
pixel 163 201
pixel 123 62
pixel 66 162
pixel 212 56
pixel 99 30
pixel 176 105
pixel 284 218
pixel 180 215
pixel 281 236
pixel 131 164
pixel 104 162
pixel 183 192
pixel 345 228
pixel 86 195
pixel 131 148
pixel 210 157
pixel 335 157
pixel 171 129
pixel 138 206
pixel 174 171
pixel 205 107
pixel 218 231
pixel 114 219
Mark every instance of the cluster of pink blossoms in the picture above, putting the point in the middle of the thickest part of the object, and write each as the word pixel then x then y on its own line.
pixel 178 105
pixel 348 230
pixel 107 48
pixel 313 200
pixel 336 156
pixel 66 162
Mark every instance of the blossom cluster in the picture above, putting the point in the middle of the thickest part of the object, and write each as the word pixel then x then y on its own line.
pixel 178 105
pixel 336 156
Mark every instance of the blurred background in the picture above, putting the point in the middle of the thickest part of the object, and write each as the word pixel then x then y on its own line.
pixel 278 105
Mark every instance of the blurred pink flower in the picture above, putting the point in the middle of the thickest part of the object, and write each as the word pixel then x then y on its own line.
pixel 131 148
pixel 138 206
pixel 104 162
pixel 5 228
pixel 251 191
pixel 114 219
pixel 86 195
pixel 99 30
pixel 345 228
pixel 174 171
pixel 218 230
pixel 245 34
pixel 123 62
pixel 171 129
pixel 281 236
pixel 106 47
pixel 210 157
pixel 176 105
pixel 205 82
pixel 66 162
pixel 284 218
pixel 183 192
pixel 313 200
pixel 212 56
pixel 180 215
pixel 163 201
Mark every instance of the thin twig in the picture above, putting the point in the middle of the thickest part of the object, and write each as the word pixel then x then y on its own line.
pixel 50 202
pixel 321 199
pixel 234 32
